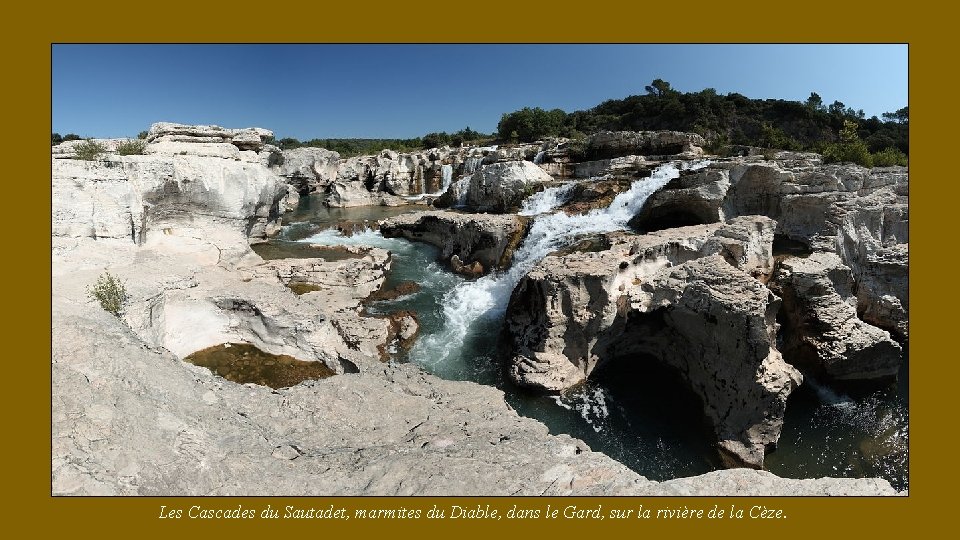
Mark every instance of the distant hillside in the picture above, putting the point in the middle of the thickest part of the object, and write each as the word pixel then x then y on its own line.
pixel 729 119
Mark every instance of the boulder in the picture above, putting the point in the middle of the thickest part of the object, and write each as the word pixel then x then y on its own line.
pixel 821 330
pixel 502 186
pixel 693 198
pixel 309 169
pixel 484 239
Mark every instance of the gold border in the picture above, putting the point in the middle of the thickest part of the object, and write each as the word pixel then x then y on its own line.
pixel 27 55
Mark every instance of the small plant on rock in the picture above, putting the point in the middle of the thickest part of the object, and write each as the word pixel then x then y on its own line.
pixel 89 150
pixel 110 292
pixel 132 147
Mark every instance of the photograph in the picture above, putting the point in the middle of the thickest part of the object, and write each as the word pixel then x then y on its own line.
pixel 478 270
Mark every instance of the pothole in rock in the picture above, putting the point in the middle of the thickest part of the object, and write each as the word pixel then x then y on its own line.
pixel 283 249
pixel 300 287
pixel 243 363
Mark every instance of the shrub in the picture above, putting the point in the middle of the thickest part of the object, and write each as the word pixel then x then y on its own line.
pixel 143 134
pixel 850 148
pixel 89 150
pixel 889 157
pixel 110 292
pixel 132 147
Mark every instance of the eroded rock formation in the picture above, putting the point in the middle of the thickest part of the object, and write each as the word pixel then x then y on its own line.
pixel 489 240
pixel 687 297
pixel 860 214
pixel 822 330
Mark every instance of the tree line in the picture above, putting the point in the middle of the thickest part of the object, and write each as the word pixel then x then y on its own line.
pixel 837 131
pixel 722 119
pixel 358 147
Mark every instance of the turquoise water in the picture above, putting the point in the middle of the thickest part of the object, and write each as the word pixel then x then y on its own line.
pixel 635 411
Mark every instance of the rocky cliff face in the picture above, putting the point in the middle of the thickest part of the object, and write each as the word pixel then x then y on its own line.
pixel 150 198
pixel 822 331
pixel 859 214
pixel 612 144
pixel 176 228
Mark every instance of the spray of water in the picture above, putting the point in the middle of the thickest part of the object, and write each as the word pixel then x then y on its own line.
pixel 546 200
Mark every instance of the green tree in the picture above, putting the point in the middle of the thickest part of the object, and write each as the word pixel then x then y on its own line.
pixel 815 102
pixel 55 138
pixel 288 143
pixel 901 116
pixel 659 88
pixel 850 148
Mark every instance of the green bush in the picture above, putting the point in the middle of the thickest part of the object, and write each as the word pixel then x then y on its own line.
pixel 132 148
pixel 110 292
pixel 89 150
pixel 889 157
pixel 850 149
pixel 143 134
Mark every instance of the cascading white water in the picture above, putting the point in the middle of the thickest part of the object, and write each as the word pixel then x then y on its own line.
pixel 463 186
pixel 487 297
pixel 446 178
pixel 471 164
pixel 446 175
pixel 538 159
pixel 546 200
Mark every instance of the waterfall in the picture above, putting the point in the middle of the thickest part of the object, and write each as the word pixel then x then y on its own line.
pixel 546 200
pixel 461 189
pixel 487 297
pixel 446 176
pixel 538 159
pixel 446 173
pixel 471 164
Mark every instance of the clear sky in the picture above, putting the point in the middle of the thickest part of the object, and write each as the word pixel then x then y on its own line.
pixel 401 91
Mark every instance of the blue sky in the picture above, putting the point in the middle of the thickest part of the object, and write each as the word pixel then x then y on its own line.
pixel 400 91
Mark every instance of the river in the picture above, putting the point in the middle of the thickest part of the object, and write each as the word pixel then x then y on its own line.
pixel 638 413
